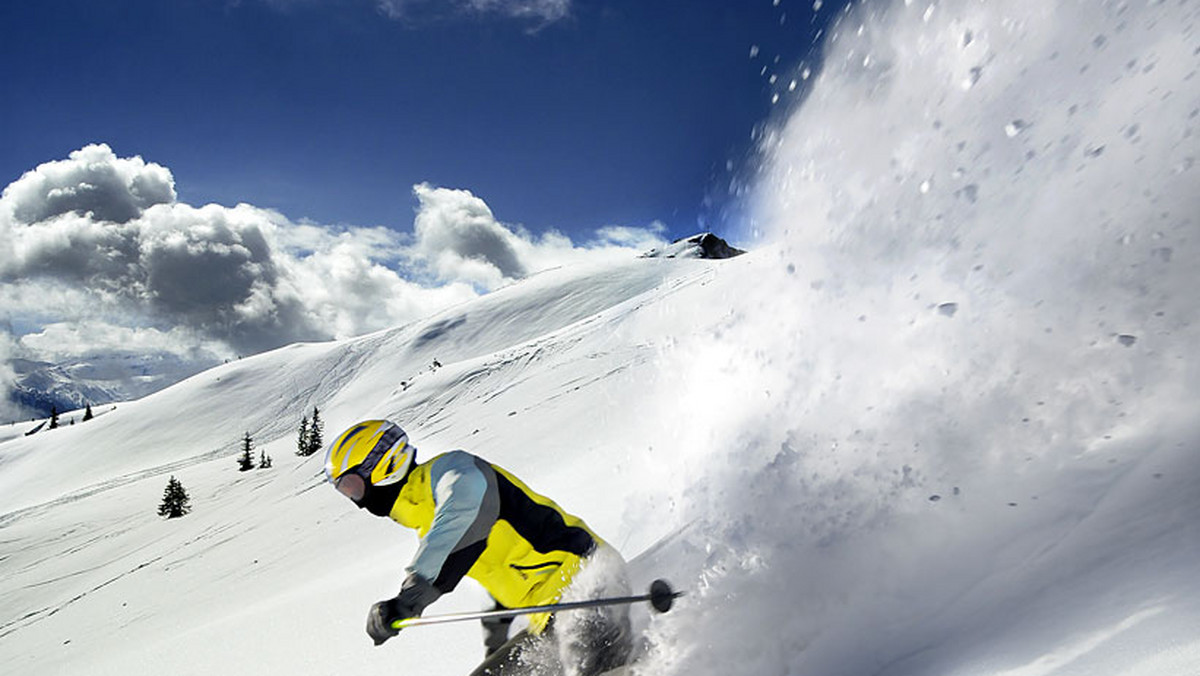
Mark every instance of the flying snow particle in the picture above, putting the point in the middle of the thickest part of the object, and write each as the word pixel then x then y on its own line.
pixel 1015 127
pixel 972 77
pixel 753 51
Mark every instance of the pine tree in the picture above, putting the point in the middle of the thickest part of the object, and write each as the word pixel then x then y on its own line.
pixel 264 460
pixel 245 460
pixel 302 442
pixel 175 502
pixel 53 417
pixel 315 441
pixel 87 414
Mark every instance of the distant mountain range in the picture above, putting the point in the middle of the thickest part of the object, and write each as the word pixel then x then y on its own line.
pixel 96 379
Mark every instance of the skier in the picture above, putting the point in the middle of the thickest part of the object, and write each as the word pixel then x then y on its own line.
pixel 475 519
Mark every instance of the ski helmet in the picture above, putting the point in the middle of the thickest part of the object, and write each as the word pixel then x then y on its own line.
pixel 375 451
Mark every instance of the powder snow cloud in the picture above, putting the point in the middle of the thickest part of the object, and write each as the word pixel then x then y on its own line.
pixel 102 241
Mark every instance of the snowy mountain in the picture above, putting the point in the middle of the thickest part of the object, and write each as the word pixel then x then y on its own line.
pixel 96 379
pixel 703 245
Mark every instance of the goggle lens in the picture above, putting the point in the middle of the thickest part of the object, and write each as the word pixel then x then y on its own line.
pixel 352 486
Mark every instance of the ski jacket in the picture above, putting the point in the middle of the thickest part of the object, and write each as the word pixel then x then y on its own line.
pixel 476 519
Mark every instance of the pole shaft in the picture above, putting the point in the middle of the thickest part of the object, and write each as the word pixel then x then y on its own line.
pixel 660 597
pixel 516 612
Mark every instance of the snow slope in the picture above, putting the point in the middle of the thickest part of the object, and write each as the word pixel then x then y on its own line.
pixel 945 422
pixel 93 577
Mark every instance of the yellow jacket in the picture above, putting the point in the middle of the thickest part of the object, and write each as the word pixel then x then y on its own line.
pixel 476 519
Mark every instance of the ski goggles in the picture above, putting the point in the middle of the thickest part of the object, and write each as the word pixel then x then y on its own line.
pixel 352 485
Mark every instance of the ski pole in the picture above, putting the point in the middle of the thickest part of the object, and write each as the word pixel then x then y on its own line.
pixel 661 596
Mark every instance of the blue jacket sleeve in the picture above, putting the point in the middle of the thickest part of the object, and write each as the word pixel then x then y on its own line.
pixel 466 506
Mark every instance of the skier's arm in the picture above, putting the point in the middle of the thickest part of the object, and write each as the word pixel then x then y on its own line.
pixel 467 504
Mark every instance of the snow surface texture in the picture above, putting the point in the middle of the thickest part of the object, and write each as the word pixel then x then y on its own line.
pixel 945 422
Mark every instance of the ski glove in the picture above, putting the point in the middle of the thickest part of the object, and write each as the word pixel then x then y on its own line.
pixel 414 596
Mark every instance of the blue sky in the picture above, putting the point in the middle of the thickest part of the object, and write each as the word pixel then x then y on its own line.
pixel 565 115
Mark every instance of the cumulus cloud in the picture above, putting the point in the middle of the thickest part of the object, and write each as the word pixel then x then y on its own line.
pixel 61 341
pixel 458 233
pixel 92 182
pixel 97 254
pixel 9 409
pixel 458 238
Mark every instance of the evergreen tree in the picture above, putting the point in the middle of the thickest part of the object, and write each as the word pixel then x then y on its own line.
pixel 87 414
pixel 175 502
pixel 316 441
pixel 302 442
pixel 245 460
pixel 264 460
pixel 53 417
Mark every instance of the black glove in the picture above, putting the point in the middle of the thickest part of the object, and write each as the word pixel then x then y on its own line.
pixel 414 596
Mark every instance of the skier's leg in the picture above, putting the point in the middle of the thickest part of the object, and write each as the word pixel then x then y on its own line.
pixel 594 640
pixel 495 631
pixel 523 655
pixel 598 640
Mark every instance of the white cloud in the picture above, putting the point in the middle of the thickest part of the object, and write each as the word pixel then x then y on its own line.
pixel 542 10
pixel 461 239
pixel 97 254
pixel 539 12
pixel 92 181
pixel 458 238
pixel 9 409
pixel 66 340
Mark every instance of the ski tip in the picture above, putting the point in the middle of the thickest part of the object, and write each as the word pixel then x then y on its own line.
pixel 662 597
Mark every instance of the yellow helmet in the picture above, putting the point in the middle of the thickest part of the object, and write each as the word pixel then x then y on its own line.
pixel 375 450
